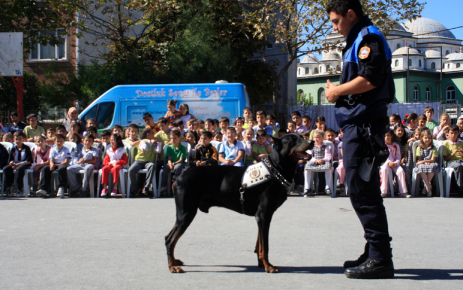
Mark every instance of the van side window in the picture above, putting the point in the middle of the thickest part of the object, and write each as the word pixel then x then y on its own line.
pixel 105 115
pixel 90 114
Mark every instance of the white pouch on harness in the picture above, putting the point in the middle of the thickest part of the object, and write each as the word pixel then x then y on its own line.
pixel 256 174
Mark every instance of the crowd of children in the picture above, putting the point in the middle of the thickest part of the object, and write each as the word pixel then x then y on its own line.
pixel 224 142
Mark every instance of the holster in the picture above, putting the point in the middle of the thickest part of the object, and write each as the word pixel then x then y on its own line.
pixel 375 154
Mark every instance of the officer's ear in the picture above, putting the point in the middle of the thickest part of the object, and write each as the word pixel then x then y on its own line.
pixel 278 145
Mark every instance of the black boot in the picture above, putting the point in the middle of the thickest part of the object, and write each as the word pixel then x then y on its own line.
pixel 371 269
pixel 358 262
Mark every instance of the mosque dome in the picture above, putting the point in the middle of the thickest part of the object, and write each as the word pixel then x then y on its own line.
pixel 424 28
pixel 403 51
pixel 455 56
pixel 432 53
pixel 331 55
pixel 310 58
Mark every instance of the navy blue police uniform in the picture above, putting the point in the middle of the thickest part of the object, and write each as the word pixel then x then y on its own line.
pixel 366 54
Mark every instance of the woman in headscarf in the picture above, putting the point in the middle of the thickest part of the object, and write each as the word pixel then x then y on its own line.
pixel 72 115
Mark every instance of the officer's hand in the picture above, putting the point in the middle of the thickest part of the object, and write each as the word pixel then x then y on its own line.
pixel 330 93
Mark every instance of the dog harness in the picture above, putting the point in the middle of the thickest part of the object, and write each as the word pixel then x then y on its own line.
pixel 259 173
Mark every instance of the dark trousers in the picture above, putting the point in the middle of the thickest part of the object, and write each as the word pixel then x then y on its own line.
pixel 366 196
pixel 46 177
pixel 299 180
pixel 9 175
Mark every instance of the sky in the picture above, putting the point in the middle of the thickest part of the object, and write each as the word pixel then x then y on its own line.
pixel 446 12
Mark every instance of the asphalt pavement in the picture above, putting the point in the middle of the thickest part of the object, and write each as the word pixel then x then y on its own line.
pixel 119 244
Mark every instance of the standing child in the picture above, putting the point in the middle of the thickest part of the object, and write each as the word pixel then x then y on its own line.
pixel 149 121
pixel 401 139
pixel 94 132
pixel 392 163
pixel 163 135
pixel 224 123
pixel 191 125
pixel 218 136
pixel 59 160
pixel 20 160
pixel 209 125
pixel 172 114
pixel 238 123
pixel 33 130
pixel 191 139
pixel 247 114
pixel 90 123
pixel 50 136
pixel 271 121
pixel 251 123
pixel 306 122
pixel 133 139
pixel 261 125
pixel 62 131
pixel 394 119
pixel 180 125
pixel 200 126
pixel 426 154
pixel 453 154
pixel 40 157
pixel 321 157
pixel 232 151
pixel 176 155
pixel 341 170
pixel 76 127
pixel 430 123
pixel 75 152
pixel 88 160
pixel 116 158
pixel 438 132
pixel 8 137
pixel 412 124
pixel 297 118
pixel 185 111
pixel 206 154
pixel 261 148
pixel 144 160
pixel 422 122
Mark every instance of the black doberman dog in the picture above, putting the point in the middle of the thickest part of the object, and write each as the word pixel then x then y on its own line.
pixel 204 187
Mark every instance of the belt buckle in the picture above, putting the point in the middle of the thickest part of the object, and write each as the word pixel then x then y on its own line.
pixel 350 102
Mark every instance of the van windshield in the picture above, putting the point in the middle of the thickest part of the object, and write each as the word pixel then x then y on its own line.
pixel 103 113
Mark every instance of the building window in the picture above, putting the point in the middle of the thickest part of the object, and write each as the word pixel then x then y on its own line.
pixel 428 94
pixel 416 94
pixel 450 94
pixel 458 65
pixel 409 62
pixel 433 65
pixel 398 45
pixel 327 68
pixel 419 63
pixel 50 52
pixel 447 52
pixel 269 46
pixel 306 70
pixel 396 63
pixel 321 97
pixel 315 71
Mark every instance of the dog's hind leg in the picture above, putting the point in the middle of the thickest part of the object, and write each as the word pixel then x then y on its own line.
pixel 257 251
pixel 182 223
pixel 263 221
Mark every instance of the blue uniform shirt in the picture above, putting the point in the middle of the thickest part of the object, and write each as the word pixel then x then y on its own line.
pixel 366 54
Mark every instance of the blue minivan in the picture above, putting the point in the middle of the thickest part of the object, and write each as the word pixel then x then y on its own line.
pixel 125 104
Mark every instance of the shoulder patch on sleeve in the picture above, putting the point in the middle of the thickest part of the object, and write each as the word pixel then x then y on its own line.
pixel 364 52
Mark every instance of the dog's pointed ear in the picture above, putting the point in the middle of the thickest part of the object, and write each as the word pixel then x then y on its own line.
pixel 277 144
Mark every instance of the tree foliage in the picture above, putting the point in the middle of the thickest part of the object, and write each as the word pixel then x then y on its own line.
pixel 298 25
pixel 31 98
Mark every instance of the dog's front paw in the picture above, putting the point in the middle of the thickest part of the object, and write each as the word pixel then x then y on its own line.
pixel 176 269
pixel 272 269
pixel 177 263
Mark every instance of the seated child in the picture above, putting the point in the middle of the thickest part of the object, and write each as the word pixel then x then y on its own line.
pixel 88 160
pixel 224 123
pixel 209 125
pixel 115 159
pixel 321 156
pixel 59 160
pixel 330 135
pixel 217 136
pixel 247 114
pixel 33 130
pixel 75 152
pixel 306 122
pixel 299 180
pixel 453 154
pixel 149 121
pixel 62 131
pixel 90 123
pixel 231 152
pixel 40 155
pixel 20 160
pixel 297 118
pixel 191 139
pixel 426 165
pixel 8 137
pixel 200 126
pixel 271 121
pixel 118 130
pixel 247 142
pixel 180 125
pixel 191 124
pixel 176 155
pixel 261 148
pixel 422 122
pixel 393 163
pixel 341 170
pixel 76 127
pixel 262 125
pixel 94 132
pixel 144 159
pixel 105 139
pixel 50 136
pixel 206 154
pixel 444 123
pixel 291 127
pixel 133 131
pixel 252 122
pixel 412 124
pixel 430 123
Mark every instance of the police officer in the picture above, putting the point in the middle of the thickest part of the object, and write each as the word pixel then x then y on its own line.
pixel 361 102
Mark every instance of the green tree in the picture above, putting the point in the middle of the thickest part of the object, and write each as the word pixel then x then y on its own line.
pixel 300 24
pixel 32 99
pixel 33 16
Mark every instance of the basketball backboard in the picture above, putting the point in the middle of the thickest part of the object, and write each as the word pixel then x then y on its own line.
pixel 11 54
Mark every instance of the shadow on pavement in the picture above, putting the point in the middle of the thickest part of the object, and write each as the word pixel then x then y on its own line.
pixel 429 274
pixel 256 269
